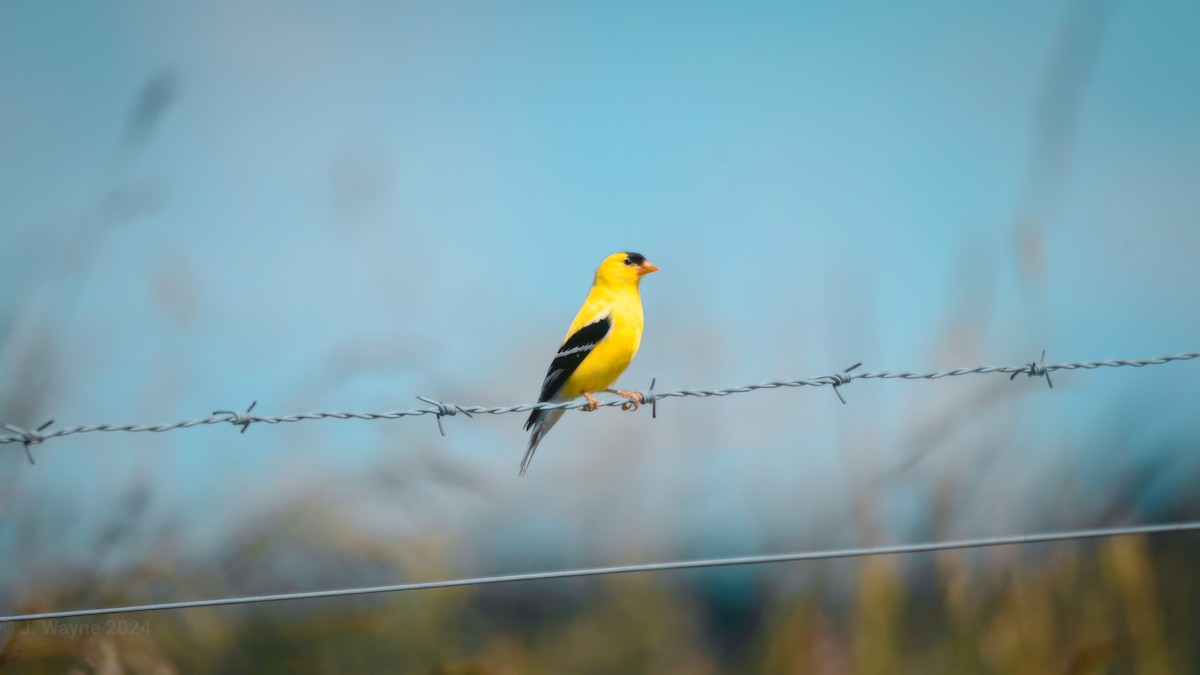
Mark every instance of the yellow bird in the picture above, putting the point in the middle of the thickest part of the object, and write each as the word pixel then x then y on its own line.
pixel 600 344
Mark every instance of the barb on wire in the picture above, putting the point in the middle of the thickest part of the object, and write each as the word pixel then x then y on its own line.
pixel 652 398
pixel 244 419
pixel 926 547
pixel 444 410
pixel 1036 369
pixel 839 379
pixel 26 437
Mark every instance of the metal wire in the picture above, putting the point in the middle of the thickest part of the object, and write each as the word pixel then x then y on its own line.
pixel 927 547
pixel 439 409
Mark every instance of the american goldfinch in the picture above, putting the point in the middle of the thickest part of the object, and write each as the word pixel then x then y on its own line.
pixel 600 344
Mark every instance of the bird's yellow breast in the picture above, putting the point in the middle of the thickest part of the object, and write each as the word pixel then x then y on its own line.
pixel 613 354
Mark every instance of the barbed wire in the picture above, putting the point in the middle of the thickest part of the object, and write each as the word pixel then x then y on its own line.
pixel 927 547
pixel 651 397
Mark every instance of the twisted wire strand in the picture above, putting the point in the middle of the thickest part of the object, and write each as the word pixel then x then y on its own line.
pixel 439 409
pixel 1020 539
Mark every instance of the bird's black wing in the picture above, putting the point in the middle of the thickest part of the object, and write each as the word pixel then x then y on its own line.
pixel 570 355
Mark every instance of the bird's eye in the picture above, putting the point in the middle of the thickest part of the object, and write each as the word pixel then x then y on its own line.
pixel 629 262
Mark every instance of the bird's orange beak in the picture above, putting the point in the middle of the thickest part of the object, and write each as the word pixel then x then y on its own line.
pixel 646 268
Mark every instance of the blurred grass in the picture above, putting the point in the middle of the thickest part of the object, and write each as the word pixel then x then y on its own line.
pixel 1108 606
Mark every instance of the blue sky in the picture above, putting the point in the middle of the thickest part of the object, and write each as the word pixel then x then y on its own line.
pixel 344 207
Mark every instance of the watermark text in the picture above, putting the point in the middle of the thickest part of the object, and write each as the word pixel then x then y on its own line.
pixel 75 629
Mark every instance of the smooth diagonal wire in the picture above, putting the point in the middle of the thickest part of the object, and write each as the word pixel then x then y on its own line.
pixel 244 419
pixel 926 547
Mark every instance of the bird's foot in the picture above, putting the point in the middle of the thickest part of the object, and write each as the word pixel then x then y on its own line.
pixel 635 398
pixel 592 402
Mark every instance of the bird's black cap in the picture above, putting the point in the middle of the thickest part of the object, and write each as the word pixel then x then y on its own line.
pixel 634 258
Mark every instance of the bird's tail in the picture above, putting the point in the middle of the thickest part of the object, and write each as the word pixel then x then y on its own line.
pixel 540 422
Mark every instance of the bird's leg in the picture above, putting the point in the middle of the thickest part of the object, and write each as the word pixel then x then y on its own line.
pixel 635 398
pixel 592 402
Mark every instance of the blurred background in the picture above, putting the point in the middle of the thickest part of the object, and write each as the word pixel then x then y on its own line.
pixel 340 208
